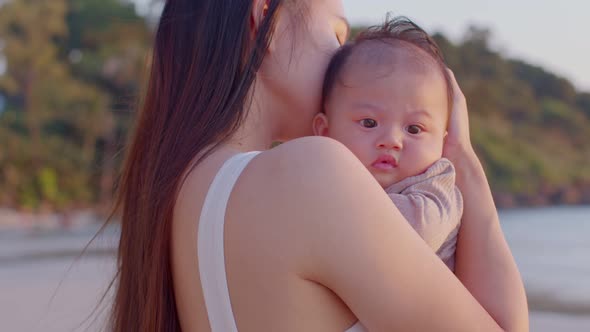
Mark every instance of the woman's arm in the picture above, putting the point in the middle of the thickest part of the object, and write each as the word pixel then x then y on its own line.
pixel 484 263
pixel 352 240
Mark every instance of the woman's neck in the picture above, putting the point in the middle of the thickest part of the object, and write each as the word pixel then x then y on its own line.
pixel 256 132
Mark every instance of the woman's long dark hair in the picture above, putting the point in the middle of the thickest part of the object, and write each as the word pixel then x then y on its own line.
pixel 205 61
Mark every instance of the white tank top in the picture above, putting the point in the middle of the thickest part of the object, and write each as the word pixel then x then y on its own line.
pixel 211 250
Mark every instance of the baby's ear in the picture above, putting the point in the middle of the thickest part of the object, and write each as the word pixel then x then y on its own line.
pixel 320 125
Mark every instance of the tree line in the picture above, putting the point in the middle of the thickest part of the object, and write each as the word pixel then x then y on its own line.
pixel 71 72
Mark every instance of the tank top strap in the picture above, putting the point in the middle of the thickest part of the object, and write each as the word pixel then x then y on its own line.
pixel 210 246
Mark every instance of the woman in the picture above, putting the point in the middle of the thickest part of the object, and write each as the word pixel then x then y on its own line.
pixel 295 247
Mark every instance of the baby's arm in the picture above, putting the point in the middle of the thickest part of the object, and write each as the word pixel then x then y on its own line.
pixel 431 203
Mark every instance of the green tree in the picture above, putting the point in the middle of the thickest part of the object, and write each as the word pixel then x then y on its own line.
pixel 108 47
pixel 55 119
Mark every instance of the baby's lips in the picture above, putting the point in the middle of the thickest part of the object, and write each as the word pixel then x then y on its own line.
pixel 385 162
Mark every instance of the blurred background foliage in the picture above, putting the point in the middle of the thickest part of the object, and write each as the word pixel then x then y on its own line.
pixel 71 72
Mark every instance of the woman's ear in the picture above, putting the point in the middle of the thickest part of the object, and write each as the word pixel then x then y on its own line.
pixel 259 11
pixel 320 125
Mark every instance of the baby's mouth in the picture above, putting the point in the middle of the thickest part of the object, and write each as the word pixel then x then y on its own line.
pixel 385 162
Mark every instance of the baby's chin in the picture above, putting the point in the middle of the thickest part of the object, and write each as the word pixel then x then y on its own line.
pixel 386 180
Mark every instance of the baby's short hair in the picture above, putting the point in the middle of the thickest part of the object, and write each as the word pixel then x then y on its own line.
pixel 388 42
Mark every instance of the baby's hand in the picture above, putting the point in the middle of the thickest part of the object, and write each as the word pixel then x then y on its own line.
pixel 458 142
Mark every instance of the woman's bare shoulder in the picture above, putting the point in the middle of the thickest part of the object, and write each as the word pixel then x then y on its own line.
pixel 315 143
pixel 311 168
pixel 310 156
pixel 312 188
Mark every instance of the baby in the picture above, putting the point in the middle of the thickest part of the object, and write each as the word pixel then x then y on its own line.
pixel 388 97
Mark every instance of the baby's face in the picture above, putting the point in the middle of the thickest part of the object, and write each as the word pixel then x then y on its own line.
pixel 394 122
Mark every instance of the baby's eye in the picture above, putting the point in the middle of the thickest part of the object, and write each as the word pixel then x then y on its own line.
pixel 368 123
pixel 414 129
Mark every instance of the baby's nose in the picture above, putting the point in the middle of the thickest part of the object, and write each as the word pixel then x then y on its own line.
pixel 391 141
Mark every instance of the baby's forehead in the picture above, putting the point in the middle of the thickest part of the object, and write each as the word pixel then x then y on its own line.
pixel 394 54
pixel 373 59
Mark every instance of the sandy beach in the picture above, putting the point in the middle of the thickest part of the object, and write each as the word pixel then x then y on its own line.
pixel 45 296
pixel 45 287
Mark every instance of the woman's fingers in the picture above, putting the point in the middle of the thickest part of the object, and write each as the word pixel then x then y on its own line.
pixel 457 93
pixel 458 129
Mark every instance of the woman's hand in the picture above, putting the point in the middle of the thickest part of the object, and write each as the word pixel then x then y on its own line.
pixel 484 263
pixel 458 142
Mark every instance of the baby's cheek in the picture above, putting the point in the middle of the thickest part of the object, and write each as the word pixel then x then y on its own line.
pixel 433 152
pixel 357 142
pixel 358 148
pixel 439 147
pixel 363 152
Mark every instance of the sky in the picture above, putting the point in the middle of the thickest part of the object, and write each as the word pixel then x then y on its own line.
pixel 554 34
pixel 549 33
